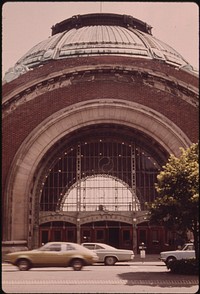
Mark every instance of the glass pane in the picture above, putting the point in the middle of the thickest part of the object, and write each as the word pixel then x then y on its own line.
pixel 103 193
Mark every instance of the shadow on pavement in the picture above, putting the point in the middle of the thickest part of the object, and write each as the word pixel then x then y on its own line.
pixel 164 279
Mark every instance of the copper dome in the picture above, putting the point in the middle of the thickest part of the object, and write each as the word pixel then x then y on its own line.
pixel 98 34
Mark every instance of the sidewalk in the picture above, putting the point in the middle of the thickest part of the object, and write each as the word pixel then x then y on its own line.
pixel 148 258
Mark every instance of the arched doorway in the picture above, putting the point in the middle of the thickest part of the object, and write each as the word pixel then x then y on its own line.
pixel 37 162
pixel 99 171
pixel 98 160
pixel 57 231
pixel 114 233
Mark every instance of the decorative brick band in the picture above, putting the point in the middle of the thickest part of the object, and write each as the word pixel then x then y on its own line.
pixel 131 75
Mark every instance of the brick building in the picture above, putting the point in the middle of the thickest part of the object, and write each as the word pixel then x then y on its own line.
pixel 89 117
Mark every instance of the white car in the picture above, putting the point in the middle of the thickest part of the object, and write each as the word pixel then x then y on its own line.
pixel 186 252
pixel 109 255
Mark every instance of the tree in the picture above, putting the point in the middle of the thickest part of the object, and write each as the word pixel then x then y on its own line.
pixel 177 204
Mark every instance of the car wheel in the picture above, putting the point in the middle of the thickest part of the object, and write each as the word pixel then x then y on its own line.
pixel 77 264
pixel 170 259
pixel 110 260
pixel 23 265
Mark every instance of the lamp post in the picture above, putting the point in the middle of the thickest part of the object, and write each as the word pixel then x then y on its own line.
pixel 78 231
pixel 134 235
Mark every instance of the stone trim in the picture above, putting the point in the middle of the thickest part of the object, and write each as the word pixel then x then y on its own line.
pixel 87 217
pixel 67 120
pixel 125 74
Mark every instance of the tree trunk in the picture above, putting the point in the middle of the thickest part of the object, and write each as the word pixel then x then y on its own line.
pixel 196 241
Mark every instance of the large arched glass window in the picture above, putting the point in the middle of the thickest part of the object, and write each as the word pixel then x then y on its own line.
pixel 100 192
pixel 103 169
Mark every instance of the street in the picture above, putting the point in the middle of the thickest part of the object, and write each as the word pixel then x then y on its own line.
pixel 130 277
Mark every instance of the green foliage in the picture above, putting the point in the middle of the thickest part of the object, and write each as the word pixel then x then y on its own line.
pixel 184 266
pixel 177 204
pixel 180 177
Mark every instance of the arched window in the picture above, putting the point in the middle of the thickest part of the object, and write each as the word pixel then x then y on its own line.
pixel 104 170
pixel 100 192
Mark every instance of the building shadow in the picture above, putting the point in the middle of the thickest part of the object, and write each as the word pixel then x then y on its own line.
pixel 163 279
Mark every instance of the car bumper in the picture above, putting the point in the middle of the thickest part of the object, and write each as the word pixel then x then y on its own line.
pixel 8 261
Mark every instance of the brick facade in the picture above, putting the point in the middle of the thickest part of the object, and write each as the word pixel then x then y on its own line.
pixel 37 95
pixel 97 85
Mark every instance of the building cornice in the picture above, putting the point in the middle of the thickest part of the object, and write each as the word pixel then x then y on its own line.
pixel 126 74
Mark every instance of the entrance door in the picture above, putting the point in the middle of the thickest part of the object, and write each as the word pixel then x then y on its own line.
pixel 86 235
pixel 100 235
pixel 57 231
pixel 142 236
pixel 70 235
pixel 44 236
pixel 47 235
pixel 113 237
pixel 126 241
pixel 56 235
pixel 113 233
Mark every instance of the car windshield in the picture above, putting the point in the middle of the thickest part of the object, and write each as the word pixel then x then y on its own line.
pixel 105 246
pixel 42 248
pixel 188 247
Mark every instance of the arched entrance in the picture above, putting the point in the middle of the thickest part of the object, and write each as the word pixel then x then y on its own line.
pixel 57 231
pixel 100 168
pixel 114 233
pixel 100 172
pixel 74 145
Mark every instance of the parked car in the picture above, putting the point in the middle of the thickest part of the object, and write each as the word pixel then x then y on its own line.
pixel 53 254
pixel 186 252
pixel 109 255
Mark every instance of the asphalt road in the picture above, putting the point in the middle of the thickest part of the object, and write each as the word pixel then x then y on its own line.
pixel 132 277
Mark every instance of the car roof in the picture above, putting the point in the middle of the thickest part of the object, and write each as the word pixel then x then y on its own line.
pixel 57 242
pixel 94 243
pixel 100 244
pixel 189 244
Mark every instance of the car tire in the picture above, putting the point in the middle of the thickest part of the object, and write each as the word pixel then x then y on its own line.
pixel 110 260
pixel 169 260
pixel 23 265
pixel 77 264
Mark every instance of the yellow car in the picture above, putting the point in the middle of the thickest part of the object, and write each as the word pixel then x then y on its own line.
pixel 53 254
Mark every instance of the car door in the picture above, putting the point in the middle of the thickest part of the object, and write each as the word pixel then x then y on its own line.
pixel 69 252
pixel 97 249
pixel 189 252
pixel 53 255
pixel 101 252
